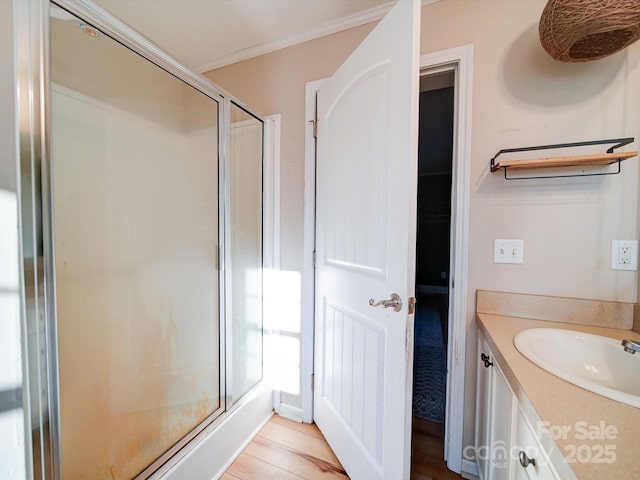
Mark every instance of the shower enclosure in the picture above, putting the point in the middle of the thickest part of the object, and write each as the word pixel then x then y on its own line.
pixel 142 241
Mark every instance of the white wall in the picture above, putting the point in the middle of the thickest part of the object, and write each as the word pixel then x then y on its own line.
pixel 12 422
pixel 522 97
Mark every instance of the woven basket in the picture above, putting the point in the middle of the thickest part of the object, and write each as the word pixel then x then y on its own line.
pixel 584 30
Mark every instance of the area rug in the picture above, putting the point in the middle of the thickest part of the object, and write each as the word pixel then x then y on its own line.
pixel 430 368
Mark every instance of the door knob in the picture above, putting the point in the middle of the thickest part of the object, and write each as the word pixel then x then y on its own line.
pixel 525 460
pixel 394 302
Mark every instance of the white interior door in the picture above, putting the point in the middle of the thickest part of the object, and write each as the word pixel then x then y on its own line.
pixel 365 249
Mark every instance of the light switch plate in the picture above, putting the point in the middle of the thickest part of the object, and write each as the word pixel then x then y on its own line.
pixel 508 251
pixel 624 255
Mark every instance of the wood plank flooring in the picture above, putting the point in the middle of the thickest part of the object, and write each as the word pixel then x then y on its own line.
pixel 286 450
pixel 427 452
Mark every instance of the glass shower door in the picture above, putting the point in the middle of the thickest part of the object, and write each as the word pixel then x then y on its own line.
pixel 135 188
pixel 244 275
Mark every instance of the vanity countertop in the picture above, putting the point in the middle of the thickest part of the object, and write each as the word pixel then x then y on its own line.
pixel 598 437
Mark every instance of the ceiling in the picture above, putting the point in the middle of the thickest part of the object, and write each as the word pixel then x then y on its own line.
pixel 207 34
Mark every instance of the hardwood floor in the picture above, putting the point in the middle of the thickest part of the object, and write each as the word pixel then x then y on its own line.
pixel 427 452
pixel 286 450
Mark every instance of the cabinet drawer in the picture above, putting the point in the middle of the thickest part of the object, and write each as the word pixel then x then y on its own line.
pixel 526 441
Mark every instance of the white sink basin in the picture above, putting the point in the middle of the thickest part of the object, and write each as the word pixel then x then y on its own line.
pixel 595 363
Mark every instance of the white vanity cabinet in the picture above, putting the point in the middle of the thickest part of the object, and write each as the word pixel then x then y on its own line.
pixel 506 444
pixel 495 410
pixel 483 420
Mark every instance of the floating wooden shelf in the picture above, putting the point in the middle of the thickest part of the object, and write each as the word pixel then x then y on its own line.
pixel 564 161
pixel 573 161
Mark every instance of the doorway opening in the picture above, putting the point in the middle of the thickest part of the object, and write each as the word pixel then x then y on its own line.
pixel 433 261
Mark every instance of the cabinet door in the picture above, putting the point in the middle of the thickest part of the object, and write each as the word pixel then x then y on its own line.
pixel 535 465
pixel 503 405
pixel 483 411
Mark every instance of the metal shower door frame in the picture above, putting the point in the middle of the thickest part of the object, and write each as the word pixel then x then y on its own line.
pixel 38 285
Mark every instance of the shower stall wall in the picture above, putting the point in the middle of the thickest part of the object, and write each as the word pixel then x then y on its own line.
pixel 142 228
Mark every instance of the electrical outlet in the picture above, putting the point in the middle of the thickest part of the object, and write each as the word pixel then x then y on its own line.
pixel 508 251
pixel 624 255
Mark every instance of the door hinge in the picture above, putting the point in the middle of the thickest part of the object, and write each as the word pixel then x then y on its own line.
pixel 313 381
pixel 315 117
pixel 313 259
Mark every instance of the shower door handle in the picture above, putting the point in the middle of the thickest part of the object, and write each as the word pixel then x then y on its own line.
pixel 394 302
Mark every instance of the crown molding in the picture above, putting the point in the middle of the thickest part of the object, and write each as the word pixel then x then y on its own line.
pixel 351 21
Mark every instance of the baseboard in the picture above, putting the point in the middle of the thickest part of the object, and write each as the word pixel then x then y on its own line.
pixel 241 448
pixel 290 412
pixel 285 410
pixel 219 447
pixel 469 469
